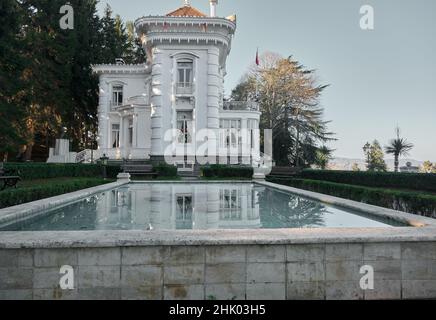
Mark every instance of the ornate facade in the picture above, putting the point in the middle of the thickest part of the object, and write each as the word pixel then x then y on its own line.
pixel 160 108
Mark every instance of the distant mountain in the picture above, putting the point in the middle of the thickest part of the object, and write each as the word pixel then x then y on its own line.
pixel 347 164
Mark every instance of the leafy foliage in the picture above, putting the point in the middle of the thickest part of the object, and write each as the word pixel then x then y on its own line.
pixel 35 171
pixel 374 157
pixel 13 197
pixel 289 98
pixel 407 181
pixel 223 171
pixel 398 147
pixel 54 93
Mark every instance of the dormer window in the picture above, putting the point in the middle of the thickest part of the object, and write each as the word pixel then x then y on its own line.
pixel 185 76
pixel 117 95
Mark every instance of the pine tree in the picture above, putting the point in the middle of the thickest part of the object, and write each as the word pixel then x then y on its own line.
pixel 375 157
pixel 11 67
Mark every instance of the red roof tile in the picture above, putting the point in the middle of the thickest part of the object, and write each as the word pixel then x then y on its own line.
pixel 186 11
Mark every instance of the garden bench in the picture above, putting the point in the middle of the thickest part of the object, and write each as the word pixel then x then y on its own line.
pixel 283 172
pixel 139 169
pixel 6 179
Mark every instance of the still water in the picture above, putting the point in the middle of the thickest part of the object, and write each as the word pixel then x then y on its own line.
pixel 196 207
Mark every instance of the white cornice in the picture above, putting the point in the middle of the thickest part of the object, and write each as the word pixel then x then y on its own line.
pixel 161 20
pixel 121 69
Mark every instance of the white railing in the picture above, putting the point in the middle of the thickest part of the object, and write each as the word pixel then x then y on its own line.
pixel 86 156
pixel 240 106
pixel 184 88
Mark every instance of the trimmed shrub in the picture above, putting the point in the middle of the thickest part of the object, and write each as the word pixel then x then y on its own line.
pixel 412 181
pixel 165 170
pixel 223 171
pixel 35 171
pixel 12 197
pixel 411 202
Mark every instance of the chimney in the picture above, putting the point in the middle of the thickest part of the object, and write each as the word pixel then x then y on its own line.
pixel 213 4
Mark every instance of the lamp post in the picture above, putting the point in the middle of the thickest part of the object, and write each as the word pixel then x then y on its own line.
pixel 104 161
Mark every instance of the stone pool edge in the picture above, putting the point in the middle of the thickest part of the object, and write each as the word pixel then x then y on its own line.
pixel 24 211
pixel 422 229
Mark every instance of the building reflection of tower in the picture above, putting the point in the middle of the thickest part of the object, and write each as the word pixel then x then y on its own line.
pixel 163 206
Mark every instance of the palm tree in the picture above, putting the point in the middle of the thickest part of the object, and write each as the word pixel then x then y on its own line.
pixel 323 156
pixel 398 147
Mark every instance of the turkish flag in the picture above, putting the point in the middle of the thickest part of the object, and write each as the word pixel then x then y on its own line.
pixel 257 58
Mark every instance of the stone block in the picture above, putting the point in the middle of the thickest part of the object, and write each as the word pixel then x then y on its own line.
pixel 384 290
pixel 266 254
pixel 419 251
pixel 16 294
pixel 99 257
pixel 184 274
pixel 226 273
pixel 343 271
pixel 185 255
pixel 137 256
pixel 49 278
pixel 143 276
pixel 419 289
pixel 302 290
pixel 223 292
pixel 344 290
pixel 419 269
pixel 386 269
pixel 184 292
pixel 16 258
pixel 266 291
pixel 55 258
pixel 266 273
pixel 55 294
pixel 225 254
pixel 16 278
pixel 344 252
pixel 305 253
pixel 142 293
pixel 306 271
pixel 99 277
pixel 99 294
pixel 381 251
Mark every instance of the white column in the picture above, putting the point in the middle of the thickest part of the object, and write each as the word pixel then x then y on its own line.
pixel 213 94
pixel 157 106
pixel 213 4
pixel 103 114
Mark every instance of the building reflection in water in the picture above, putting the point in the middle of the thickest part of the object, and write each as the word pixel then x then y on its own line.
pixel 179 207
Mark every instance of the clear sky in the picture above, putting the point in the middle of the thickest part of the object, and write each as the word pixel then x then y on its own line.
pixel 379 79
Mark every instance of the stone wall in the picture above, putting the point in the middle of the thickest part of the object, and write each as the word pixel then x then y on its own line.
pixel 306 271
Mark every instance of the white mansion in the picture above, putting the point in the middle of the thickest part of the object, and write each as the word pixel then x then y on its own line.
pixel 174 103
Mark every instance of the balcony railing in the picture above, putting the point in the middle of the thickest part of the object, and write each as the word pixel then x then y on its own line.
pixel 115 105
pixel 240 106
pixel 184 88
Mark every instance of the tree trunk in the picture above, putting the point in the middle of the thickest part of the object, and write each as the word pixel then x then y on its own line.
pixel 28 152
pixel 397 163
pixel 5 156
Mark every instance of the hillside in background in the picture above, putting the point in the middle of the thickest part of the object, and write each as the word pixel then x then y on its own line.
pixel 347 164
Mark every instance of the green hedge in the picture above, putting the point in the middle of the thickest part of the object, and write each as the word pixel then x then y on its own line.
pixel 222 171
pixel 35 171
pixel 411 181
pixel 411 202
pixel 12 197
pixel 165 170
